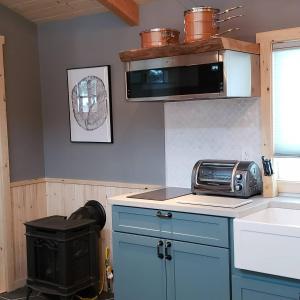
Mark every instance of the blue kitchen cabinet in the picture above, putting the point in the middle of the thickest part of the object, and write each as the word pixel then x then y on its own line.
pixel 197 272
pixel 139 273
pixel 247 285
pixel 254 287
pixel 170 255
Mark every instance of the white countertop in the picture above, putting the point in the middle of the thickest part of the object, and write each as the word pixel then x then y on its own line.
pixel 257 204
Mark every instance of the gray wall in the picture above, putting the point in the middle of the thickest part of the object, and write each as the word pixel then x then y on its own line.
pixel 138 152
pixel 23 96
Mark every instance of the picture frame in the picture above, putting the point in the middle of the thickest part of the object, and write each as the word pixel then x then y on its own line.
pixel 90 107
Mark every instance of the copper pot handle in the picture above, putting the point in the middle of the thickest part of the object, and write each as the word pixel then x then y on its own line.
pixel 229 10
pixel 164 34
pixel 224 32
pixel 168 34
pixel 229 18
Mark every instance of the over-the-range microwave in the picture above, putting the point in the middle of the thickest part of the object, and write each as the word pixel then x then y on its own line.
pixel 209 75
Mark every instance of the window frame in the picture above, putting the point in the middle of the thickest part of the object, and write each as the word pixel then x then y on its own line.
pixel 271 185
pixel 6 240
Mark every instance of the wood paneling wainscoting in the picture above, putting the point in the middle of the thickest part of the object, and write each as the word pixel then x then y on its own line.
pixel 32 199
pixel 28 203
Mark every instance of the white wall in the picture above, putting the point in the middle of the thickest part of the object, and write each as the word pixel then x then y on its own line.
pixel 210 129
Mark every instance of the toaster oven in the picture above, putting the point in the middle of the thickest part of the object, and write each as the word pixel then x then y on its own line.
pixel 241 179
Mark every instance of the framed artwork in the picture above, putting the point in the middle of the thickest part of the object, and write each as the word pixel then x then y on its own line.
pixel 90 104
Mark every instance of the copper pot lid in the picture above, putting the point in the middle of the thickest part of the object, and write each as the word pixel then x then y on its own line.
pixel 202 8
pixel 159 30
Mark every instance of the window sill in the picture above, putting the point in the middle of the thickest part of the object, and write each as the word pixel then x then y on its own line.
pixel 291 187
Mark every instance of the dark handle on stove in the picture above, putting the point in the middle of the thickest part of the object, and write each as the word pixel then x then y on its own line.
pixel 164 216
pixel 159 244
pixel 167 255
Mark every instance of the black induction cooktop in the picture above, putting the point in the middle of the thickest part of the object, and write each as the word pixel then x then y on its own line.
pixel 162 194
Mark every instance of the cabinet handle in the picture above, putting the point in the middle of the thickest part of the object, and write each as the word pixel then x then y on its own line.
pixel 167 255
pixel 159 254
pixel 164 216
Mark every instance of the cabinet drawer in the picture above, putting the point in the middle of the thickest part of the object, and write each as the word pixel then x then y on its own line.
pixel 136 220
pixel 247 288
pixel 201 229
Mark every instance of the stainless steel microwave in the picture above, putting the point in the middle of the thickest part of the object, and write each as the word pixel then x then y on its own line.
pixel 209 75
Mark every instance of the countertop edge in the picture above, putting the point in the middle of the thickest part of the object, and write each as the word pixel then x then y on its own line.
pixel 242 211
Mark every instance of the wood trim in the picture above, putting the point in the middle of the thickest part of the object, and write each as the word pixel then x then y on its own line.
pixel 291 187
pixel 192 48
pixel 27 182
pixel 277 36
pixel 19 284
pixel 269 183
pixel 6 227
pixel 241 46
pixel 85 182
pixel 102 183
pixel 127 10
pixel 266 41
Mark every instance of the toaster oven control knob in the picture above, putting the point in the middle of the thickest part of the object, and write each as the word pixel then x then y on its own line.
pixel 238 187
pixel 239 176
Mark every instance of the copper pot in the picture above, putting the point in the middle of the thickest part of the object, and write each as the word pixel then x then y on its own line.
pixel 159 37
pixel 202 23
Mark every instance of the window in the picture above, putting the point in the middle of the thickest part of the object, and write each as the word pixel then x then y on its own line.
pixel 286 109
pixel 280 108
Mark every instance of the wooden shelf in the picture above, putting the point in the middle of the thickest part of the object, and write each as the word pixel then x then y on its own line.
pixel 193 48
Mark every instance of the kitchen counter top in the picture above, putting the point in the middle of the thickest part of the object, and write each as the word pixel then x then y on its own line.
pixel 288 202
pixel 257 204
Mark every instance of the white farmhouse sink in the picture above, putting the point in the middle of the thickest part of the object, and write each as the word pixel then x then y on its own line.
pixel 269 242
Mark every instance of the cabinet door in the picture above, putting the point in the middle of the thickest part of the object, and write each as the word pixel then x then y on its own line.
pixel 139 273
pixel 250 288
pixel 197 272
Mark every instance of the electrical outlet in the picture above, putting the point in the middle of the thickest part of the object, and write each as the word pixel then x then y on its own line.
pixel 245 155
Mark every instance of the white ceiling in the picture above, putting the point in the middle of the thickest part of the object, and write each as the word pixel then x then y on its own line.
pixel 51 10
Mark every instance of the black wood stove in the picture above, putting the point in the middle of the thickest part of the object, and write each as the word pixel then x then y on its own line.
pixel 63 254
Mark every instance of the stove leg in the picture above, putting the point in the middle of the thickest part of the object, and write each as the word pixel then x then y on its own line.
pixel 29 292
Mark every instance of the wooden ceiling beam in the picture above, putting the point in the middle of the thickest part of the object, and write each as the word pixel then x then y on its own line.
pixel 127 10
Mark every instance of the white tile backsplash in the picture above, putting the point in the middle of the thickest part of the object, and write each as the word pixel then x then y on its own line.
pixel 209 129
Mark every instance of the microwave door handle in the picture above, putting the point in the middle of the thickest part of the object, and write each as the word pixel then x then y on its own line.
pixel 233 175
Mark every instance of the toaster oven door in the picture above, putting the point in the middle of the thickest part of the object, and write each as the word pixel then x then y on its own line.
pixel 216 176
